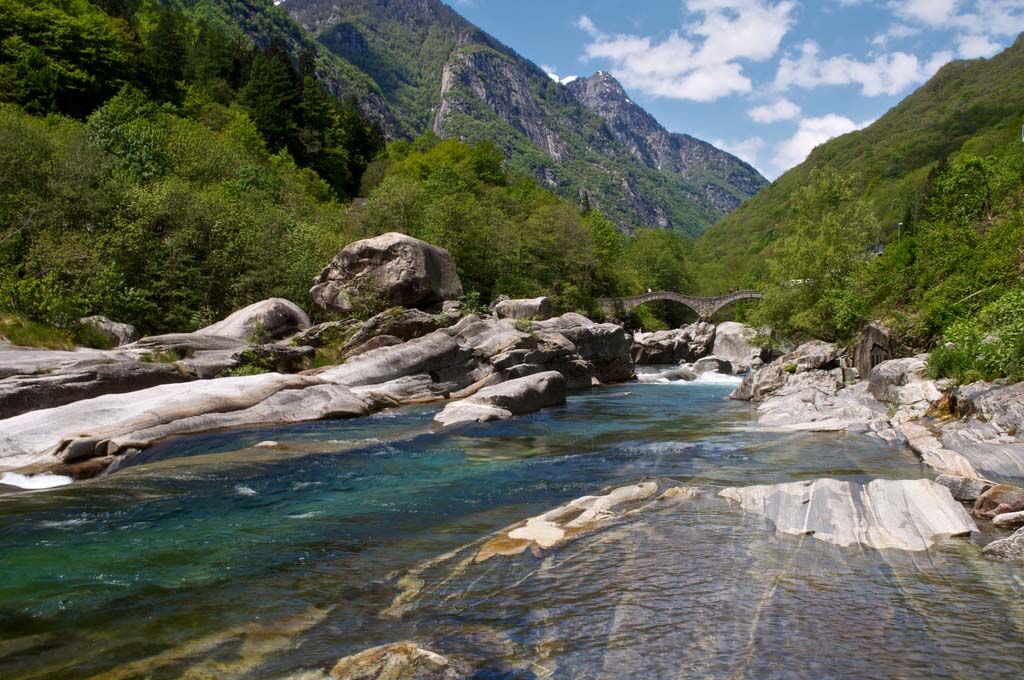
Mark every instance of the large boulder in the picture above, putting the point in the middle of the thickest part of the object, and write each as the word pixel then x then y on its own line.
pixel 904 384
pixel 734 342
pixel 876 344
pixel 117 333
pixel 681 345
pixel 393 269
pixel 515 397
pixel 537 309
pixel 811 356
pixel 271 319
pixel 604 345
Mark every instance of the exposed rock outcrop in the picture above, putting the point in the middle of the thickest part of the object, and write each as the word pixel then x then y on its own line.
pixel 903 515
pixel 734 343
pixel 271 319
pixel 514 397
pixel 713 364
pixel 537 309
pixel 1000 499
pixel 811 356
pixel 875 345
pixel 604 345
pixel 904 384
pixel 118 333
pixel 964 489
pixel 682 345
pixel 455 362
pixel 393 269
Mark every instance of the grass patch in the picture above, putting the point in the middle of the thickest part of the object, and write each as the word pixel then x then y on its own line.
pixel 25 333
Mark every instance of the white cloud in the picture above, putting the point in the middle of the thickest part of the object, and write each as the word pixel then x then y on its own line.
pixel 886 74
pixel 929 12
pixel 811 133
pixel 702 63
pixel 974 46
pixel 746 149
pixel 895 32
pixel 783 109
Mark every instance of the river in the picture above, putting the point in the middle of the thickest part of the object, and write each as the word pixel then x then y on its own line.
pixel 206 557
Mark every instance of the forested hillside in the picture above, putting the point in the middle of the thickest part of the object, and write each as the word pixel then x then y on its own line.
pixel 440 73
pixel 159 166
pixel 915 221
pixel 968 105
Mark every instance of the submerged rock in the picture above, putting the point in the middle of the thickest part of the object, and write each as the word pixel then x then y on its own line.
pixel 118 333
pixel 393 268
pixel 398 661
pixel 515 397
pixel 1011 548
pixel 557 526
pixel 904 515
pixel 271 319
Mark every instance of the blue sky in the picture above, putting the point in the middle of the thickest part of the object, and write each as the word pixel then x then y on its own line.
pixel 765 79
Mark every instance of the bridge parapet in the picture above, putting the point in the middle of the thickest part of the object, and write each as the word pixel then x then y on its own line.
pixel 705 307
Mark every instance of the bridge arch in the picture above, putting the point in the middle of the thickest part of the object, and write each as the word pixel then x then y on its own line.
pixel 704 307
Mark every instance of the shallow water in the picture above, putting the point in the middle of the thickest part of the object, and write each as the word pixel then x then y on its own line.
pixel 205 557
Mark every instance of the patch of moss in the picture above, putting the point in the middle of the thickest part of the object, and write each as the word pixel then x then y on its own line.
pixel 25 333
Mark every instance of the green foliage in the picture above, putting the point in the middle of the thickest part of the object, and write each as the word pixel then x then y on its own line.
pixel 968 106
pixel 25 333
pixel 986 347
pixel 813 291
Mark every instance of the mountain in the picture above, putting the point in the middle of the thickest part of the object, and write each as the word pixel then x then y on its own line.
pixel 727 181
pixel 438 72
pixel 967 105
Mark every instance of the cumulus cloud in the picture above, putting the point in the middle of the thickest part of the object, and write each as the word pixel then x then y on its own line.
pixel 811 133
pixel 783 109
pixel 702 61
pixel 974 46
pixel 884 74
pixel 979 24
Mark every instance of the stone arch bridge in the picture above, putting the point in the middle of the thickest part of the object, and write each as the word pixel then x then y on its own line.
pixel 705 307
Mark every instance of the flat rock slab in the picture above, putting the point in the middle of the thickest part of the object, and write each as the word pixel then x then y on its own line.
pixel 883 514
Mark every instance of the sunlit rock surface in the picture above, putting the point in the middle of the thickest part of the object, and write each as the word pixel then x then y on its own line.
pixel 904 515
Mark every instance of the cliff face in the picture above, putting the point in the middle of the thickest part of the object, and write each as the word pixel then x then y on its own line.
pixel 440 73
pixel 724 180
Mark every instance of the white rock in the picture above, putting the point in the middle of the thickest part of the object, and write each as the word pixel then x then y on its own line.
pixel 904 515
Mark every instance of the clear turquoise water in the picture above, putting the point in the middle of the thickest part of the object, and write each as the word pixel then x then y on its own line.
pixel 207 558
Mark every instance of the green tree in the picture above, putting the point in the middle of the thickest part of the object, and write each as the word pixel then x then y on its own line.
pixel 272 95
pixel 36 82
pixel 812 291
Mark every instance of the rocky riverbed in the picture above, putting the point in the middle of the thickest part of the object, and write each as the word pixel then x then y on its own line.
pixel 823 483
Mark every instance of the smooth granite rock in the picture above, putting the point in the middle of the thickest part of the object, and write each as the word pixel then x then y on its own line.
pixel 712 364
pixel 393 268
pixel 941 459
pixel 605 345
pixel 271 319
pixel 882 514
pixel 686 344
pixel 118 333
pixel 1009 519
pixel 537 309
pixel 514 397
pixel 557 526
pixel 811 356
pixel 734 343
